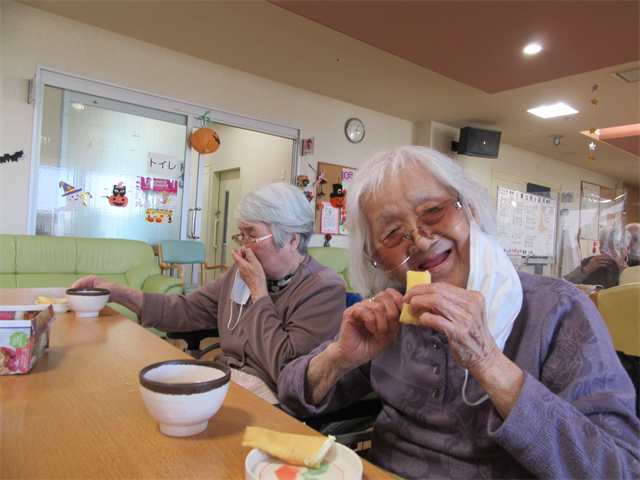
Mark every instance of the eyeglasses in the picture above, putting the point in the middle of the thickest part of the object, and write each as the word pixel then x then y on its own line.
pixel 247 242
pixel 440 220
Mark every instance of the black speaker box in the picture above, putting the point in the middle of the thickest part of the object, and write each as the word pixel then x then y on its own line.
pixel 478 142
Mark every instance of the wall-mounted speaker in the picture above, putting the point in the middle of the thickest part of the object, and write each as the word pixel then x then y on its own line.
pixel 478 142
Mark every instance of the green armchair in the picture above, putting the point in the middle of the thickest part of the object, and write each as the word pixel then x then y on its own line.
pixel 335 258
pixel 44 261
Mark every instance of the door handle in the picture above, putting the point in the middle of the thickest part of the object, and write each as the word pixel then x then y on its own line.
pixel 215 232
pixel 193 222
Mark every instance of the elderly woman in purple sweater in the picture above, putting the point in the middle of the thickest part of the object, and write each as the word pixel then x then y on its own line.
pixel 508 375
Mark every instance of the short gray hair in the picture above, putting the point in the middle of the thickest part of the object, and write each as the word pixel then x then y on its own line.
pixel 634 230
pixel 283 208
pixel 619 236
pixel 369 182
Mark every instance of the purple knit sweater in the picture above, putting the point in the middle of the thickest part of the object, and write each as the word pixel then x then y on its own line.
pixel 575 417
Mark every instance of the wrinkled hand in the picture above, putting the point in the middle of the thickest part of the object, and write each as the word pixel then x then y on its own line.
pixel 127 296
pixel 368 328
pixel 461 315
pixel 596 262
pixel 251 271
pixel 94 281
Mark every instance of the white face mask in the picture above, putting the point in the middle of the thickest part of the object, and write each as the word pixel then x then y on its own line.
pixel 492 274
pixel 240 294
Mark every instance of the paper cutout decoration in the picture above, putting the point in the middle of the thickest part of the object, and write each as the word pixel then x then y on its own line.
pixel 75 198
pixel 157 193
pixel 154 215
pixel 338 199
pixel 119 199
pixel 11 158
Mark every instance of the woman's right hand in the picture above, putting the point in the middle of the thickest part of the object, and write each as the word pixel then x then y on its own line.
pixel 127 296
pixel 368 328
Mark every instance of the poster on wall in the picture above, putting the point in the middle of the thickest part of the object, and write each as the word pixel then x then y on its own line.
pixel 329 218
pixel 158 193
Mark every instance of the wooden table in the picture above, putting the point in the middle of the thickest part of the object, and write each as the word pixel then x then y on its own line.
pixel 79 413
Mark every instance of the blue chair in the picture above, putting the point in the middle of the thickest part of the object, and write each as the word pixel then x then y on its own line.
pixel 175 253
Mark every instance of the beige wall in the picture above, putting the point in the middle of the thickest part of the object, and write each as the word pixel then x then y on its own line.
pixel 30 37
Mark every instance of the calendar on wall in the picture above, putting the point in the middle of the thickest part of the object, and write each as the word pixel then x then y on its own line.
pixel 526 223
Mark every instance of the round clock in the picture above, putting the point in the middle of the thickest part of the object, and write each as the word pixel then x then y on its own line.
pixel 354 129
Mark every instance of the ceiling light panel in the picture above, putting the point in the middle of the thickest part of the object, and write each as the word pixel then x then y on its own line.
pixel 551 111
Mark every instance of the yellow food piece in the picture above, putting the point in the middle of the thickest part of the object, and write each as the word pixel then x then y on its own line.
pixel 413 279
pixel 303 450
pixel 49 301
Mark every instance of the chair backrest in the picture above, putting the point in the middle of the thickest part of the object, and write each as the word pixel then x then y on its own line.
pixel 178 252
pixel 335 258
pixel 620 309
pixel 630 275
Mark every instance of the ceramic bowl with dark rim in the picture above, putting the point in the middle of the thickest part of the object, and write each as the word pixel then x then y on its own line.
pixel 182 395
pixel 87 302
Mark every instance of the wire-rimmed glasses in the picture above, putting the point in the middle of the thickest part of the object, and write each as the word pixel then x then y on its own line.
pixel 247 242
pixel 392 254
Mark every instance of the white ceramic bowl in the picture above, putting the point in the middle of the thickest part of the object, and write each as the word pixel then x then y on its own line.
pixel 87 302
pixel 57 307
pixel 184 394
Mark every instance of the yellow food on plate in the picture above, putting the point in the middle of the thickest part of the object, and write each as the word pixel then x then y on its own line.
pixel 303 450
pixel 49 301
pixel 413 279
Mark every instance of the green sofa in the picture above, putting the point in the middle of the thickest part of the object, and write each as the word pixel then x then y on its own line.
pixel 43 261
pixel 335 258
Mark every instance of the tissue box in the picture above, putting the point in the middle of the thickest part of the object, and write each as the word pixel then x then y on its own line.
pixel 24 337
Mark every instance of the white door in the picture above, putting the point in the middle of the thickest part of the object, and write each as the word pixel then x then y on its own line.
pixel 224 201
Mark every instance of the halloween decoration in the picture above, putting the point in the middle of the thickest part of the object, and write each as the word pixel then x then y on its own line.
pixel 118 199
pixel 205 140
pixel 338 198
pixel 11 158
pixel 75 197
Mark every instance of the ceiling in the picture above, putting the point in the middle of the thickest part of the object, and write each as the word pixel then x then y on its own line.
pixel 459 63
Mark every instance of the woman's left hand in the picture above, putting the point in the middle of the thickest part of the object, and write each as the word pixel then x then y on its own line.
pixel 461 315
pixel 251 271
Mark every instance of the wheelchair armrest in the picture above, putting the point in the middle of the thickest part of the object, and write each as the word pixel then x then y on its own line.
pixel 193 339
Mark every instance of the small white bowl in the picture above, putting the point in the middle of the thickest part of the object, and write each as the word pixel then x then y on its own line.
pixel 87 302
pixel 184 394
pixel 57 307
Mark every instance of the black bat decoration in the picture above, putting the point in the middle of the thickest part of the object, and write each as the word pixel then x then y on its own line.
pixel 11 158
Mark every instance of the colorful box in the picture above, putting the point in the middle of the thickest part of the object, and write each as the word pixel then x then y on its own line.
pixel 24 337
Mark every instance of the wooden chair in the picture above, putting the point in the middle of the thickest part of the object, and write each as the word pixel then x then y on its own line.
pixel 175 253
pixel 620 309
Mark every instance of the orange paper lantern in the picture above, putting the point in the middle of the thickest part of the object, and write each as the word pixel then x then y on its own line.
pixel 205 140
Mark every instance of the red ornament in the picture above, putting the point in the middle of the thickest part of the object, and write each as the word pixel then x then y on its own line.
pixel 205 140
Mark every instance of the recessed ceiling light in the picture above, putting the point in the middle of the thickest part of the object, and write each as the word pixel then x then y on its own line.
pixel 551 111
pixel 533 48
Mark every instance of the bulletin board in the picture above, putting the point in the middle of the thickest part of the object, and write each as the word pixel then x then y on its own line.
pixel 526 223
pixel 331 199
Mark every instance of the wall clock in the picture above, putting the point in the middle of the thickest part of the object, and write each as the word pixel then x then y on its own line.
pixel 354 129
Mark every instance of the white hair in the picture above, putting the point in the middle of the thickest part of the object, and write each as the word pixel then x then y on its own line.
pixel 369 183
pixel 634 230
pixel 620 238
pixel 283 208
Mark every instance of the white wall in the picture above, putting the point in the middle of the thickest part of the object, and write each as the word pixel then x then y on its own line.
pixel 30 37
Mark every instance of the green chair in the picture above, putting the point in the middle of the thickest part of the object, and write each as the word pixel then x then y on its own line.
pixel 175 253
pixel 335 258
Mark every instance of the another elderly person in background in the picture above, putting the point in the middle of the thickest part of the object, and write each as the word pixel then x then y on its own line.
pixel 605 269
pixel 508 375
pixel 634 253
pixel 274 304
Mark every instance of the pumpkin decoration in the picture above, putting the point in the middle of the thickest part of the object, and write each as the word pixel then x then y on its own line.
pixel 205 140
